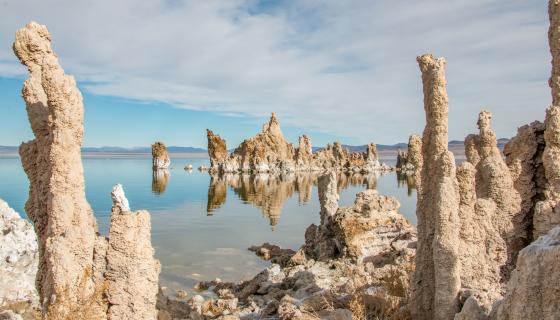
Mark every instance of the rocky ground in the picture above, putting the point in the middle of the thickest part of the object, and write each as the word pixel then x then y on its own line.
pixel 355 265
pixel 19 258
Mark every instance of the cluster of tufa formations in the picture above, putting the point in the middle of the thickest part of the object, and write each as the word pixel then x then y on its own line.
pixel 410 161
pixel 80 273
pixel 269 151
pixel 488 229
pixel 486 247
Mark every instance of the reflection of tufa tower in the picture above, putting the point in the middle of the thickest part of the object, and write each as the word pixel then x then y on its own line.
pixel 160 178
pixel 264 191
pixel 217 192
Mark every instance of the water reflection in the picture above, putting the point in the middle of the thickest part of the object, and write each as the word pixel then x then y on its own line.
pixel 160 179
pixel 269 192
pixel 406 180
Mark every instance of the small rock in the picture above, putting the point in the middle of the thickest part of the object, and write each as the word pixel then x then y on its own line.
pixel 181 294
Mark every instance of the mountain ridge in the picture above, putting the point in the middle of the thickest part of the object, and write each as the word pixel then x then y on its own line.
pixel 453 144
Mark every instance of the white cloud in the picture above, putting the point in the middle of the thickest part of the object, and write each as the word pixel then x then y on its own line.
pixel 344 67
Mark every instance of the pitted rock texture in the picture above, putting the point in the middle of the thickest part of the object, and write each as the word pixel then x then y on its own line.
pixel 482 251
pixel 436 281
pixel 554 43
pixel 547 212
pixel 360 232
pixel 532 291
pixel 217 150
pixel 72 257
pixel 19 258
pixel 53 165
pixel 410 162
pixel 320 242
pixel 160 156
pixel 304 152
pixel 524 153
pixel 494 182
pixel 269 152
pixel 132 272
pixel 372 229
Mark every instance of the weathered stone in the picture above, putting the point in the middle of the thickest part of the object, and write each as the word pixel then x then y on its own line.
pixel 436 281
pixel 160 157
pixel 132 272
pixel 523 155
pixel 62 217
pixel 372 228
pixel 19 258
pixel 554 43
pixel 547 212
pixel 217 150
pixel 414 153
pixel 494 182
pixel 410 162
pixel 304 152
pixel 532 291
pixel 73 259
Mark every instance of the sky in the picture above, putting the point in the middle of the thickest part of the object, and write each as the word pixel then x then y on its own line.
pixel 341 70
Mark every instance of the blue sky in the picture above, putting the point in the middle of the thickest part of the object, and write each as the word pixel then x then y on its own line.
pixel 336 70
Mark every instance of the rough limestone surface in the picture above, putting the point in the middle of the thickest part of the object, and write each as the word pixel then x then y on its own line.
pixel 328 196
pixel 320 242
pixel 73 259
pixel 217 150
pixel 436 281
pixel 410 162
pixel 533 288
pixel 414 154
pixel 304 152
pixel 371 228
pixel 523 155
pixel 132 272
pixel 19 258
pixel 481 248
pixel 471 149
pixel 401 161
pixel 62 217
pixel 554 43
pixel 269 152
pixel 547 212
pixel 160 156
pixel 494 182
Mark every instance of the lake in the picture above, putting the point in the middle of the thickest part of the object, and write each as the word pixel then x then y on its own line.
pixel 202 225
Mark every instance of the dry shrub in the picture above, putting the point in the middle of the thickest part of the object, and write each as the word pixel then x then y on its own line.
pixel 398 279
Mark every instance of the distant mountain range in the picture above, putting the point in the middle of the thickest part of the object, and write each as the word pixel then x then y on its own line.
pixel 119 150
pixel 454 145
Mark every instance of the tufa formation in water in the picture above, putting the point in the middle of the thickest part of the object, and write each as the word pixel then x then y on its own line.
pixel 269 151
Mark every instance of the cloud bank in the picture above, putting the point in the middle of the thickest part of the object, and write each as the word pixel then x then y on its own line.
pixel 345 68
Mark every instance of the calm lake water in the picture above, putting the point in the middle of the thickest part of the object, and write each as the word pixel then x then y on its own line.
pixel 203 225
